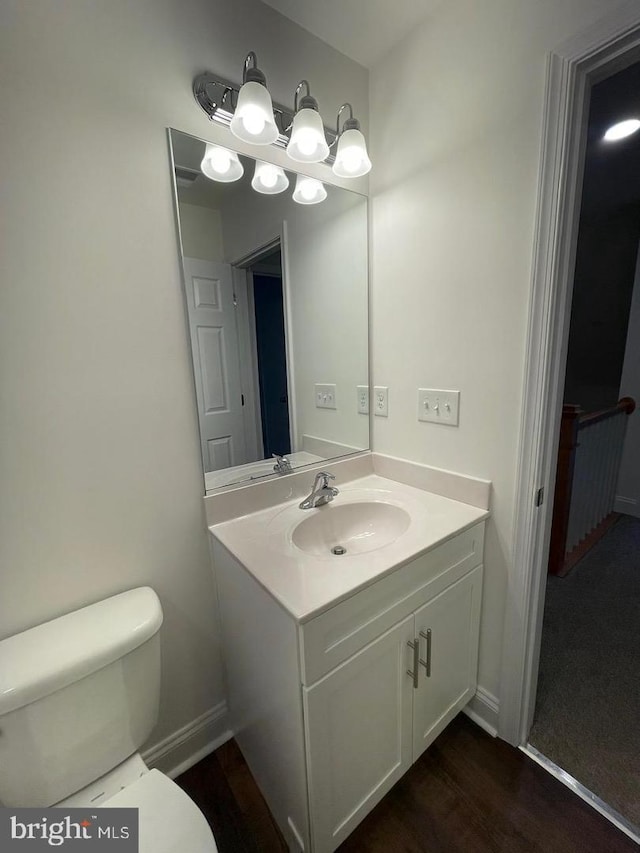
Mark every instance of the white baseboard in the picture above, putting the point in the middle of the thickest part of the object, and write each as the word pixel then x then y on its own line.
pixel 190 744
pixel 484 710
pixel 627 506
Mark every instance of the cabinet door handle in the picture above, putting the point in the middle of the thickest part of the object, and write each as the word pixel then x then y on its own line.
pixel 426 635
pixel 415 645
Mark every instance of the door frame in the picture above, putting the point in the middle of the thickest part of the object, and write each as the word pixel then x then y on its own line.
pixel 596 53
pixel 244 263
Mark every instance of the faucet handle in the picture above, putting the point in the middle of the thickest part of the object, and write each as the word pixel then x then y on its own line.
pixel 282 466
pixel 325 476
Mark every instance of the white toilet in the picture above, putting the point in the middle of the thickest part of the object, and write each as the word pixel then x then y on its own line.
pixel 78 696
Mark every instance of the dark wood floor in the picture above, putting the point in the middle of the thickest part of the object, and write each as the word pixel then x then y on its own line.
pixel 469 793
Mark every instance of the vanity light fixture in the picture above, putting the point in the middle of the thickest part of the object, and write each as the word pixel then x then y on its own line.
pixel 269 179
pixel 622 129
pixel 352 159
pixel 307 143
pixel 250 114
pixel 309 190
pixel 220 164
pixel 253 119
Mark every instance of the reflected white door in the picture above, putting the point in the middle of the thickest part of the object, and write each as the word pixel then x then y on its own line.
pixel 216 361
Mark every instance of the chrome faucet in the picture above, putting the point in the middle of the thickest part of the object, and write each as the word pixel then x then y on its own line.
pixel 321 493
pixel 282 466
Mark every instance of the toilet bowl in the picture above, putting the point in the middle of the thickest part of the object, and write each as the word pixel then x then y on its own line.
pixel 92 678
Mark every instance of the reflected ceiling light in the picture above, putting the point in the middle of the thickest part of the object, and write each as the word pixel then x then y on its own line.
pixel 307 143
pixel 269 179
pixel 352 159
pixel 622 129
pixel 253 119
pixel 309 190
pixel 220 164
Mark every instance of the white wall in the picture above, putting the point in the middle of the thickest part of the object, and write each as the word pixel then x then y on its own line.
pixel 628 493
pixel 201 232
pixel 100 473
pixel 455 114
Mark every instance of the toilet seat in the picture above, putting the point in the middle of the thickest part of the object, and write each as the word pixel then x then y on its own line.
pixel 169 820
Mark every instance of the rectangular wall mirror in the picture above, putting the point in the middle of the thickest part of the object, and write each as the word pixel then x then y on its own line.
pixel 276 299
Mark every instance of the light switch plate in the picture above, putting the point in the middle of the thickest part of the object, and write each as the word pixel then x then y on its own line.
pixel 381 401
pixel 363 399
pixel 438 406
pixel 326 397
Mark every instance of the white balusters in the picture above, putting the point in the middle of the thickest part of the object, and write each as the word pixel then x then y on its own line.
pixel 597 460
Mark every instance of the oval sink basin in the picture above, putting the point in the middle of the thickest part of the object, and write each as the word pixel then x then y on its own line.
pixel 353 528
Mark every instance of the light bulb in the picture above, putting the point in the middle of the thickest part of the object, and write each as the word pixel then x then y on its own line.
pixel 309 190
pixel 254 120
pixel 269 179
pixel 220 164
pixel 351 159
pixel 269 176
pixel 307 142
pixel 220 160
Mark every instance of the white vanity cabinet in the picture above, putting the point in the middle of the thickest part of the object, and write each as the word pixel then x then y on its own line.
pixel 331 712
pixel 368 720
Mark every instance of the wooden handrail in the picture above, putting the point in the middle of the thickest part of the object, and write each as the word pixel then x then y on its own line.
pixel 625 404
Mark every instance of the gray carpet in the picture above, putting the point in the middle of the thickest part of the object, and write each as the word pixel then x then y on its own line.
pixel 588 707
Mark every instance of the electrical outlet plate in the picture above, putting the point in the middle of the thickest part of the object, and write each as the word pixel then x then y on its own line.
pixel 326 397
pixel 363 399
pixel 381 401
pixel 438 406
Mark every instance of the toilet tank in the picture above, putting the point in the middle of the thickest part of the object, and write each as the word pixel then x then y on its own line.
pixel 78 695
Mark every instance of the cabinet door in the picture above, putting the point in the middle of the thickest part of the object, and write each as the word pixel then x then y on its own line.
pixel 358 721
pixel 448 670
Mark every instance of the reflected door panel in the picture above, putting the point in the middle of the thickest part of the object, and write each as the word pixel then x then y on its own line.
pixel 214 346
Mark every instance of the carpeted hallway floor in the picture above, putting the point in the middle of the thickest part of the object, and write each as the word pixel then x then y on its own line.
pixel 588 707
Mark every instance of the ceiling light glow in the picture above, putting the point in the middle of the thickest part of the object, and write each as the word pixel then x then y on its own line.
pixel 622 129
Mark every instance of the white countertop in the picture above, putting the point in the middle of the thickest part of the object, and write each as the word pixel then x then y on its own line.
pixel 306 585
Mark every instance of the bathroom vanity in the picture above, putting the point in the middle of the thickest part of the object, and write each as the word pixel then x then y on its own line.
pixel 342 669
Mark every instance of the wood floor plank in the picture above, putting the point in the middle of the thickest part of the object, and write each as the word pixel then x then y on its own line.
pixel 468 793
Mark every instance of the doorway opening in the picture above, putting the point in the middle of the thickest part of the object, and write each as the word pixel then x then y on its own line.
pixel 267 330
pixel 610 46
pixel 588 691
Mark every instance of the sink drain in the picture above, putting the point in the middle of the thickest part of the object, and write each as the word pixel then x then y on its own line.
pixel 338 550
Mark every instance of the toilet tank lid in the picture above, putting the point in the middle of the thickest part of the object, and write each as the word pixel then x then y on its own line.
pixel 53 655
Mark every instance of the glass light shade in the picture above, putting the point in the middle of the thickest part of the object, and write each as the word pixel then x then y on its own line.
pixel 352 159
pixel 253 119
pixel 269 179
pixel 309 190
pixel 220 164
pixel 307 143
pixel 622 129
